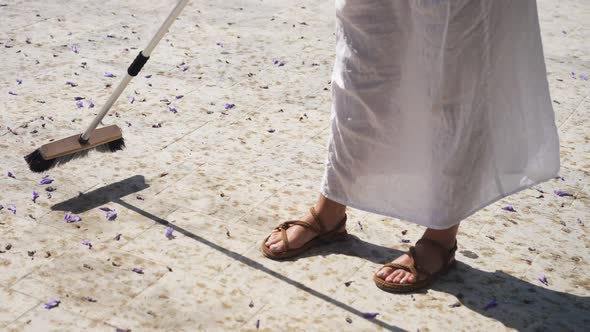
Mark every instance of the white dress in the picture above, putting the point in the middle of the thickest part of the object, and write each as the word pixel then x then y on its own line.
pixel 440 107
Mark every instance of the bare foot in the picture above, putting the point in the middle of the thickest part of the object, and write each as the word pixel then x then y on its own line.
pixel 429 257
pixel 330 214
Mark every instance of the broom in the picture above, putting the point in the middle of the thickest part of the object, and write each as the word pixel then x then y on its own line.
pixel 106 139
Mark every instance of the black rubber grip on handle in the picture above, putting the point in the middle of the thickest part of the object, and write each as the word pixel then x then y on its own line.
pixel 137 64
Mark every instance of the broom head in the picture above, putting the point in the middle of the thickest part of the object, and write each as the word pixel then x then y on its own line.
pixel 106 139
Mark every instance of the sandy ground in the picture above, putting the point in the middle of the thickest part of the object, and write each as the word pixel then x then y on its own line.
pixel 223 178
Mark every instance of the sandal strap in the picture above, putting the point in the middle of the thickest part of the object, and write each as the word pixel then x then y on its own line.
pixel 409 268
pixel 317 220
pixel 285 239
pixel 445 254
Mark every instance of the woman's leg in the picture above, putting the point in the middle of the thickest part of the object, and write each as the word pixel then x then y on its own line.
pixel 429 256
pixel 329 212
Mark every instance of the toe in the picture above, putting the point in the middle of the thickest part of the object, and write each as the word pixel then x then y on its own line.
pixel 276 247
pixel 272 239
pixel 384 272
pixel 399 277
pixel 408 279
pixel 393 275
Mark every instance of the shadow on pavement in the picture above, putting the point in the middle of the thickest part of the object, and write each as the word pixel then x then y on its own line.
pixel 520 305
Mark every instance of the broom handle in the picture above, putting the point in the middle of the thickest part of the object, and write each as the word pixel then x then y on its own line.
pixel 134 69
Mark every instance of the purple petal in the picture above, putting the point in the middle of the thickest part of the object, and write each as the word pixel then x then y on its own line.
pixel 1 207
pixel 90 103
pixel 12 93
pixel 509 208
pixel 491 304
pixel 370 315
pixel 111 215
pixel 573 75
pixel 257 324
pixel 80 104
pixel 118 237
pixel 107 74
pixel 35 196
pixel 46 181
pixel 72 84
pixel 137 270
pixel 140 198
pixel 131 99
pixel 179 96
pixel 544 280
pixel 11 208
pixel 184 68
pixel 69 218
pixel 172 109
pixel 87 243
pixel 79 98
pixel 105 209
pixel 584 77
pixel 169 231
pixel 19 81
pixel 275 62
pixel 89 299
pixel 165 100
pixel 229 106
pixel 52 304
pixel 148 76
pixel 75 48
pixel 11 175
pixel 405 241
pixel 219 44
pixel 562 193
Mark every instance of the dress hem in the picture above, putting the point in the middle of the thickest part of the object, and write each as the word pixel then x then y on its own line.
pixel 354 205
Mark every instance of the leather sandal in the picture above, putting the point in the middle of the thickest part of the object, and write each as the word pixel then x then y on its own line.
pixel 316 226
pixel 423 277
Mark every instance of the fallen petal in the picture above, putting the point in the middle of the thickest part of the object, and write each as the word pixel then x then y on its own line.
pixel 229 106
pixel 562 193
pixel 544 280
pixel 491 304
pixel 137 270
pixel 89 299
pixel 118 237
pixel 80 104
pixel 19 81
pixel 87 243
pixel 35 196
pixel 74 48
pixel 111 215
pixel 11 175
pixel 90 103
pixel 172 109
pixel 509 208
pixel 12 93
pixel 52 304
pixel 46 181
pixel 107 74
pixel 11 208
pixel 105 209
pixel 370 315
pixel 169 231
pixel 72 84
pixel 179 96
pixel 131 100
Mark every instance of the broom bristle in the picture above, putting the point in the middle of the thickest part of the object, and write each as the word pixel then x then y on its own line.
pixel 114 146
pixel 39 165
